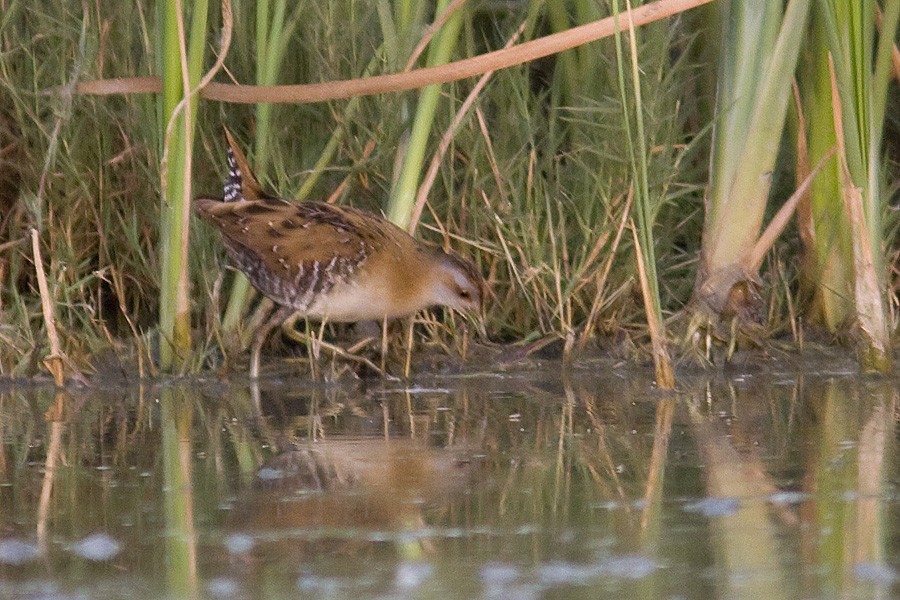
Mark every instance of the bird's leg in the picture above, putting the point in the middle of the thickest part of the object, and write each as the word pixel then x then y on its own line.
pixel 282 313
pixel 410 325
pixel 289 329
pixel 384 343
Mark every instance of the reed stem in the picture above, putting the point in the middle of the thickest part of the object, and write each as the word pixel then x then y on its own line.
pixel 182 65
pixel 403 196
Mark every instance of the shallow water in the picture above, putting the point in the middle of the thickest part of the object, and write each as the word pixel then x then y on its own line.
pixel 776 482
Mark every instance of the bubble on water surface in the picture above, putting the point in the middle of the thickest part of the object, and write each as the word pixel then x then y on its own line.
pixel 269 474
pixel 628 566
pixel 45 590
pixel 411 574
pixel 239 543
pixel 788 497
pixel 606 505
pixel 876 573
pixel 560 572
pixel 499 573
pixel 313 583
pixel 17 552
pixel 517 592
pixel 416 389
pixel 714 507
pixel 97 547
pixel 222 587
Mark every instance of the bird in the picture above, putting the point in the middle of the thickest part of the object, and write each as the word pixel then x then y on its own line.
pixel 328 262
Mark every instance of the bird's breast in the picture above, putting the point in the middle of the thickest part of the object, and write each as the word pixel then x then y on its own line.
pixel 387 290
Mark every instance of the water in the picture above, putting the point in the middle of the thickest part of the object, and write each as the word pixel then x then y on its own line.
pixel 775 483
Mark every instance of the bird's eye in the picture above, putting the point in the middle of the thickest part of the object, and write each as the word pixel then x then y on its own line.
pixel 464 294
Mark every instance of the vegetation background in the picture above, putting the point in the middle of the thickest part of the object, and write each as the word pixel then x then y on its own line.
pixel 561 171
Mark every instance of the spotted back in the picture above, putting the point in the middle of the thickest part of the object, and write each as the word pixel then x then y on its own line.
pixel 293 253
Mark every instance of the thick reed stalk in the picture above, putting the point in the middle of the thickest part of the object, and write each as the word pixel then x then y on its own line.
pixel 859 98
pixel 182 63
pixel 758 60
pixel 828 262
pixel 403 196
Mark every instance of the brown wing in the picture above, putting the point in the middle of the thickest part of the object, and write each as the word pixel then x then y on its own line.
pixel 294 252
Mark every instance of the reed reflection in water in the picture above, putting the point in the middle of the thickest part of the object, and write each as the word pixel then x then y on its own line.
pixel 759 484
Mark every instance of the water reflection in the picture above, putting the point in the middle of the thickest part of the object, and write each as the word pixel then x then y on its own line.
pixel 847 471
pixel 176 413
pixel 745 534
pixel 342 493
pixel 529 485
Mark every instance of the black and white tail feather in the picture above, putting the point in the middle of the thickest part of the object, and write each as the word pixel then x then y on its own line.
pixel 233 185
pixel 241 183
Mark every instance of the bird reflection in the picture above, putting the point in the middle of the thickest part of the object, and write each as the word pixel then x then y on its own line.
pixel 330 495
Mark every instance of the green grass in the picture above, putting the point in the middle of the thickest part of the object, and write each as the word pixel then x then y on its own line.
pixel 534 186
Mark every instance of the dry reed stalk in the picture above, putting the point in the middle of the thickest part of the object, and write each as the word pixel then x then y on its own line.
pixel 54 361
pixel 874 341
pixel 397 82
pixel 781 218
pixel 662 362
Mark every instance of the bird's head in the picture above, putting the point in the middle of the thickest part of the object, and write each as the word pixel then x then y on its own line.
pixel 458 285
